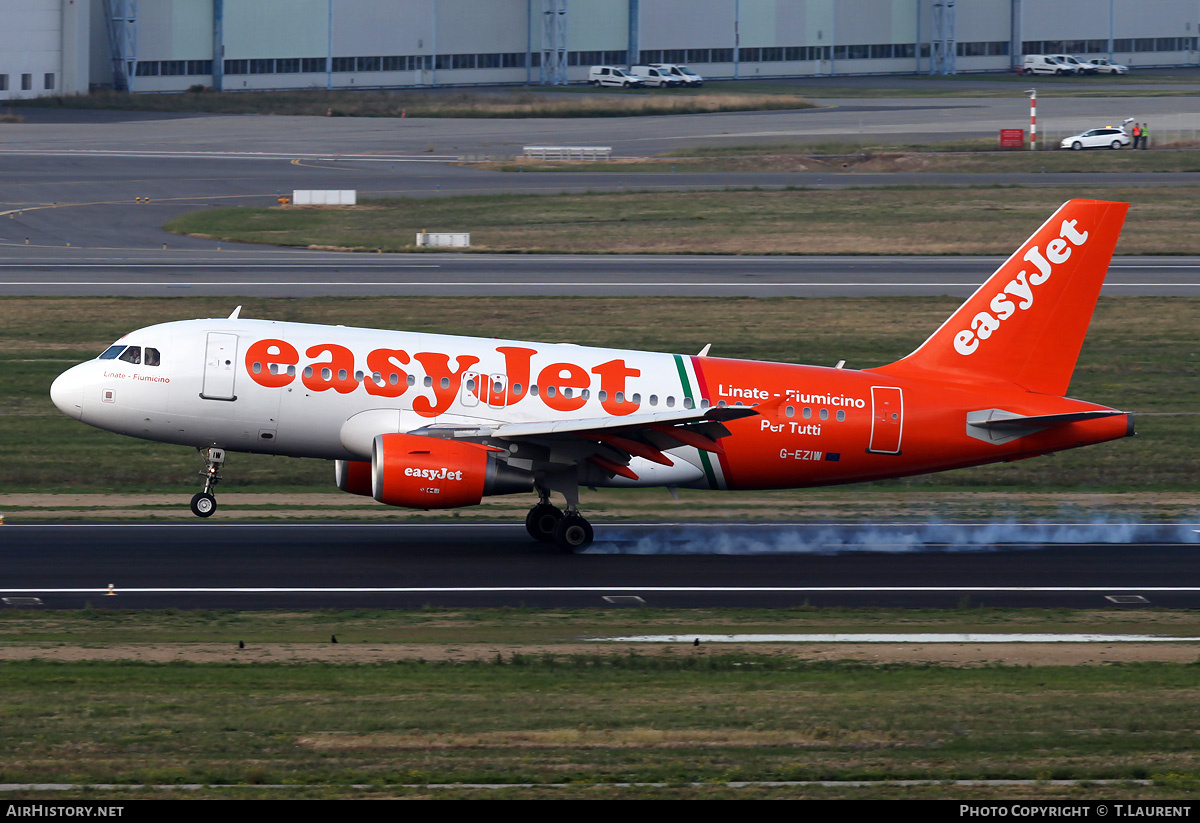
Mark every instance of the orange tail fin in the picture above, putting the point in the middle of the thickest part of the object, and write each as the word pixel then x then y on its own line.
pixel 1026 324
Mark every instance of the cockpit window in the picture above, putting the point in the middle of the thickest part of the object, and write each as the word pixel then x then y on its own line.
pixel 152 358
pixel 132 354
pixel 111 353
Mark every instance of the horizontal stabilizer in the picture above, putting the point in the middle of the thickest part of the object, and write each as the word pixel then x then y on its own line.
pixel 998 418
pixel 998 426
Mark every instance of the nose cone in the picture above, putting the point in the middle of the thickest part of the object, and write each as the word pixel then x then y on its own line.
pixel 67 391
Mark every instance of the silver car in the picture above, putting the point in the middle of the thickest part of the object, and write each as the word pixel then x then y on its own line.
pixel 1105 67
pixel 1108 137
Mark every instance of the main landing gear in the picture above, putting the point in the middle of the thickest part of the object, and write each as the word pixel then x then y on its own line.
pixel 205 503
pixel 548 524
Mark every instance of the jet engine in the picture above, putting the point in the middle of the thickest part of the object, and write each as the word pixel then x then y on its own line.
pixel 353 476
pixel 431 473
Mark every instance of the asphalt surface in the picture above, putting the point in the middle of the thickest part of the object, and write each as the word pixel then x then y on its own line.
pixel 274 273
pixel 81 225
pixel 315 565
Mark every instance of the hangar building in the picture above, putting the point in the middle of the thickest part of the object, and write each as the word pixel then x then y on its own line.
pixel 68 46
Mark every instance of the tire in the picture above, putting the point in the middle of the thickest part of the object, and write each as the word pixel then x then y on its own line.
pixel 1116 145
pixel 1076 146
pixel 572 533
pixel 541 521
pixel 203 504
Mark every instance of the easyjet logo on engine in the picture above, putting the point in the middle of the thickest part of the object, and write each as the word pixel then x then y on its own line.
pixel 433 474
pixel 563 387
pixel 1021 288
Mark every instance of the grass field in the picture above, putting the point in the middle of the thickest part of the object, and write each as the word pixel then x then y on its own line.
pixel 508 697
pixel 868 156
pixel 897 220
pixel 441 102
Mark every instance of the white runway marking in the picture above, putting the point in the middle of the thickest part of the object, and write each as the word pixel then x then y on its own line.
pixel 897 638
pixel 119 590
pixel 575 284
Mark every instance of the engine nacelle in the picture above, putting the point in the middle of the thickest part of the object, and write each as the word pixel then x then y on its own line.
pixel 353 476
pixel 431 473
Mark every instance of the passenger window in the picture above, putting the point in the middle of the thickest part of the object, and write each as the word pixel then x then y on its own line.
pixel 824 414
pixel 841 415
pixel 133 354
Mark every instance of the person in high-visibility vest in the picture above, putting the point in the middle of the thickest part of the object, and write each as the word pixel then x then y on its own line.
pixel 1137 135
pixel 1145 136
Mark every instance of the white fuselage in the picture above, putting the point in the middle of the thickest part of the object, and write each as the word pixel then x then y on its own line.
pixel 325 392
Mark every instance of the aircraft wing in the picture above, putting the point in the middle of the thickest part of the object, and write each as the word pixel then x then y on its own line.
pixel 606 442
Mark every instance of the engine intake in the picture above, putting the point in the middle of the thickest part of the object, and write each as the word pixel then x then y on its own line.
pixel 431 473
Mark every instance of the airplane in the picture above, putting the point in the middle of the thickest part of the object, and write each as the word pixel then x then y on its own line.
pixel 430 421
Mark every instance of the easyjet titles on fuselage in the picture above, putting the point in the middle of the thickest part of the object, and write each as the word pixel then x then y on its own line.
pixel 563 387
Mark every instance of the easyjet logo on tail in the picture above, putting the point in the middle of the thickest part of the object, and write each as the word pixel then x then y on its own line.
pixel 1019 293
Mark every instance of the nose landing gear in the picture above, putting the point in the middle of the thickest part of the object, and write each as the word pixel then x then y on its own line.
pixel 205 503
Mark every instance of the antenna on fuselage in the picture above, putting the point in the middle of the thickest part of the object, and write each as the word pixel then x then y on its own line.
pixel 840 364
pixel 235 314
pixel 704 351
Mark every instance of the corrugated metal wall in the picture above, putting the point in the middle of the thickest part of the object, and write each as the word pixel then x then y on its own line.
pixel 372 43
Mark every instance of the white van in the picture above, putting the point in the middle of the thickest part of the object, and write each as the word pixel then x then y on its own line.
pixel 612 76
pixel 1044 64
pixel 658 78
pixel 1080 66
pixel 682 73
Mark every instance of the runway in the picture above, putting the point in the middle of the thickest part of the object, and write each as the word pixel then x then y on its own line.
pixel 328 565
pixel 311 274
